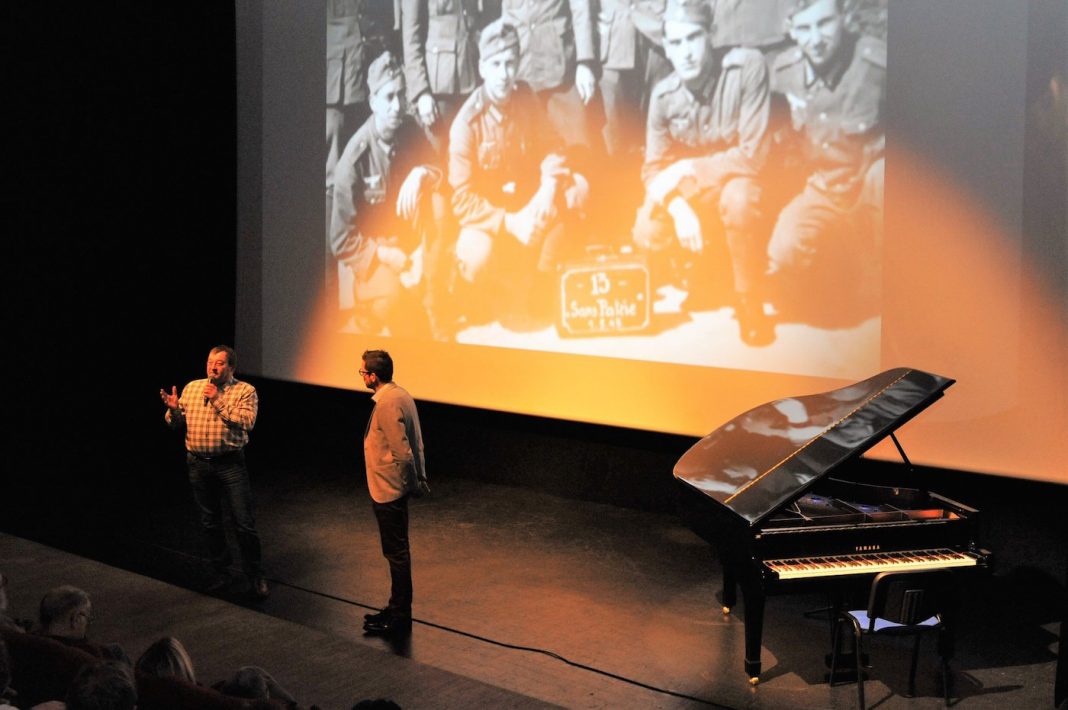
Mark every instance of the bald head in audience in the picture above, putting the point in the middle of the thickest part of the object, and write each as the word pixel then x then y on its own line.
pixel 65 613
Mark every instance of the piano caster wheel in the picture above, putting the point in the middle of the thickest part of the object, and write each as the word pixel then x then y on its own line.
pixel 753 681
pixel 726 610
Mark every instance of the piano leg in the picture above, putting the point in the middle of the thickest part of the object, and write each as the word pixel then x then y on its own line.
pixel 730 586
pixel 753 598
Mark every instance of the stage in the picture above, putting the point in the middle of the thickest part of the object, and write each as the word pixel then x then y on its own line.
pixel 521 598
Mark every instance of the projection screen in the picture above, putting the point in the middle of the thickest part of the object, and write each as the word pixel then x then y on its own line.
pixel 626 230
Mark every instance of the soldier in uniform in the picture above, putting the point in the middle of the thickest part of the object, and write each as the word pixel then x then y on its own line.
pixel 706 145
pixel 831 231
pixel 440 39
pixel 760 24
pixel 356 32
pixel 387 213
pixel 514 195
pixel 557 59
pixel 632 62
pixel 628 39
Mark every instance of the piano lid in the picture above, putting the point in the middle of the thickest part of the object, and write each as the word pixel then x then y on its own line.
pixel 761 460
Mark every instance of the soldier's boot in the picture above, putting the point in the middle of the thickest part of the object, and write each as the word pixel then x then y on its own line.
pixel 754 326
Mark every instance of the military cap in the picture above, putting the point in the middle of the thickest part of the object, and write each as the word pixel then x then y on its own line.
pixel 696 11
pixel 496 37
pixel 382 70
pixel 798 5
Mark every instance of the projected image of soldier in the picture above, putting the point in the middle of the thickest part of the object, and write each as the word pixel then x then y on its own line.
pixel 629 39
pixel 759 24
pixel 867 17
pixel 514 193
pixel 702 222
pixel 557 60
pixel 440 42
pixel 825 248
pixel 387 211
pixel 629 50
pixel 357 31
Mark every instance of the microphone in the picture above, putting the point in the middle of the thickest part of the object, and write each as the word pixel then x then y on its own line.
pixel 207 400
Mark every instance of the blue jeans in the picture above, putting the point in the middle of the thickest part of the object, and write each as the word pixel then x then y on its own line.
pixel 216 479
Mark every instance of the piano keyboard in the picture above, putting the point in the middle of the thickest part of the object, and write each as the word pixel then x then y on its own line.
pixel 869 563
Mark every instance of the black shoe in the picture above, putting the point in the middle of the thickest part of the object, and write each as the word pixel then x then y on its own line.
pixel 375 617
pixel 387 625
pixel 258 589
pixel 754 327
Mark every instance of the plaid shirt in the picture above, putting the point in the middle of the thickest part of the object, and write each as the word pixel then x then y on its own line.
pixel 219 427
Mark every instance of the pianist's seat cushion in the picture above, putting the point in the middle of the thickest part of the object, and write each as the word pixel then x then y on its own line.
pixel 862 618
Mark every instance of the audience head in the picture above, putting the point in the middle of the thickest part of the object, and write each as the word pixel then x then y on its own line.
pixel 376 704
pixel 65 612
pixel 248 682
pixel 167 658
pixel 108 685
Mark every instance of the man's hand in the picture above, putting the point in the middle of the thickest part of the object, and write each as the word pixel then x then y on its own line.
pixel 171 400
pixel 554 167
pixel 668 179
pixel 577 193
pixel 211 391
pixel 410 192
pixel 420 489
pixel 426 109
pixel 542 205
pixel 687 225
pixel 521 224
pixel 585 82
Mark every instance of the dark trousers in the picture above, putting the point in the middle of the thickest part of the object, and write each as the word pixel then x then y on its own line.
pixel 393 528
pixel 226 478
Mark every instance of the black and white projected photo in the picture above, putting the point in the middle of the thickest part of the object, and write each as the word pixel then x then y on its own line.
pixel 676 181
pixel 661 213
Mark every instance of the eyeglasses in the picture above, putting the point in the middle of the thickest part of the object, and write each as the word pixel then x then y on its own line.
pixel 365 373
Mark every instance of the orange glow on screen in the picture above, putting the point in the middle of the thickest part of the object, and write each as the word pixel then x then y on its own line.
pixel 956 287
pixel 958 301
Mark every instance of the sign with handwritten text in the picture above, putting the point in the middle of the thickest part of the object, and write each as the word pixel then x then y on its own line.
pixel 604 297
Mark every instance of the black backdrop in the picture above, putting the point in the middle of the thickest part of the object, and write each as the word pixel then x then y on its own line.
pixel 123 216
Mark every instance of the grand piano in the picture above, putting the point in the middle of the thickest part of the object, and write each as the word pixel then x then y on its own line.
pixel 783 494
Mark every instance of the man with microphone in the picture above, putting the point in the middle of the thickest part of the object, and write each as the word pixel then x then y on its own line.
pixel 218 413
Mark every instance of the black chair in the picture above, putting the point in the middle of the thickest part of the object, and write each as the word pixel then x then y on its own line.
pixel 900 603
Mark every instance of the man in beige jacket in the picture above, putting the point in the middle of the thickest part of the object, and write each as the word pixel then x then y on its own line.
pixel 393 455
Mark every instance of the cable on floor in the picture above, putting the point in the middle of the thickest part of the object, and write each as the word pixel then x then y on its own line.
pixel 515 647
pixel 484 639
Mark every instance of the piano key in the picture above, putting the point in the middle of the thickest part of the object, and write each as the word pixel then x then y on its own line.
pixel 868 563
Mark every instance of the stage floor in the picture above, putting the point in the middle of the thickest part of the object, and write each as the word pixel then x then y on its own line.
pixel 554 600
